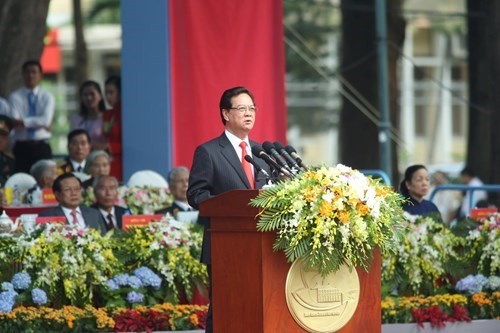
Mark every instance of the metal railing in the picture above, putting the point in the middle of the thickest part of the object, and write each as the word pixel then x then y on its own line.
pixel 467 188
pixel 377 173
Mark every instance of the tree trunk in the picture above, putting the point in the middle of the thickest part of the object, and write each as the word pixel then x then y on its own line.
pixel 22 30
pixel 81 61
pixel 358 135
pixel 483 146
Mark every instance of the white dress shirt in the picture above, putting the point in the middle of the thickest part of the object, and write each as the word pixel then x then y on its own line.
pixel 19 109
pixel 4 107
pixel 235 142
pixel 79 216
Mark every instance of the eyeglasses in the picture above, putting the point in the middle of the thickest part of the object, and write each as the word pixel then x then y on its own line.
pixel 244 108
pixel 68 190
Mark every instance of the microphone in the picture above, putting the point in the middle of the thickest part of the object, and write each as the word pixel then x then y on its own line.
pixel 290 150
pixel 258 151
pixel 291 161
pixel 256 166
pixel 269 148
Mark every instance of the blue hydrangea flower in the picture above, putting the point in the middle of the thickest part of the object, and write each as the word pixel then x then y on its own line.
pixel 7 300
pixel 21 281
pixel 148 277
pixel 493 283
pixel 134 297
pixel 112 285
pixel 471 284
pixel 7 286
pixel 39 296
pixel 121 279
pixel 134 282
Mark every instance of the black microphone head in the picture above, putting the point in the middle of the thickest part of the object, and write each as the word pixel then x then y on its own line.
pixel 278 146
pixel 290 150
pixel 257 150
pixel 248 158
pixel 268 146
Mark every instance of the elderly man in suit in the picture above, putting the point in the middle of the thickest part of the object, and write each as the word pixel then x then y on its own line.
pixel 178 180
pixel 219 165
pixel 106 194
pixel 68 191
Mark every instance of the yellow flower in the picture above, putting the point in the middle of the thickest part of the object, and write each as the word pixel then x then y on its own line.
pixel 344 216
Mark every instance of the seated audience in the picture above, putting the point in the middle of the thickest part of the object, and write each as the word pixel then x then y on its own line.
pixel 98 164
pixel 68 191
pixel 414 188
pixel 106 195
pixel 78 150
pixel 44 172
pixel 7 161
pixel 468 177
pixel 178 179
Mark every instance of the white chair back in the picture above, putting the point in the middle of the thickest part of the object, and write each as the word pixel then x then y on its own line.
pixel 24 181
pixel 147 178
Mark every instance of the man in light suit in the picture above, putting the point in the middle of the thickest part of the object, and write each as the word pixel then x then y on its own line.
pixel 68 191
pixel 217 164
pixel 106 194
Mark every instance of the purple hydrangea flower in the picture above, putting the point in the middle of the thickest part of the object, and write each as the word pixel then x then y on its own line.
pixel 148 277
pixel 134 297
pixel 21 281
pixel 39 296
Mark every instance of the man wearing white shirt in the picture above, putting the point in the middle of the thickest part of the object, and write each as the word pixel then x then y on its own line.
pixel 32 110
pixel 4 107
pixel 68 191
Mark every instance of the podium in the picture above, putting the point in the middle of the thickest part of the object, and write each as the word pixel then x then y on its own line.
pixel 249 277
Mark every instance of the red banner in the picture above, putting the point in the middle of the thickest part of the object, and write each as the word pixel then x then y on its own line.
pixel 216 45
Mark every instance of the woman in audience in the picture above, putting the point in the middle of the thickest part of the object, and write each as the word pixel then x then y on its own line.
pixel 98 164
pixel 112 129
pixel 414 187
pixel 91 113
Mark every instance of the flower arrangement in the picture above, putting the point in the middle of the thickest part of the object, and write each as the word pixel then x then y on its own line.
pixel 20 290
pixel 162 317
pixel 145 199
pixel 484 245
pixel 133 288
pixel 67 261
pixel 441 308
pixel 172 248
pixel 421 260
pixel 331 216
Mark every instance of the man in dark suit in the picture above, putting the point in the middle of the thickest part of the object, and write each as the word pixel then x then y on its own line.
pixel 79 146
pixel 178 180
pixel 218 165
pixel 68 191
pixel 106 194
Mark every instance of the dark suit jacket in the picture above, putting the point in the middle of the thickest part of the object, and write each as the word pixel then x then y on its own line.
pixel 217 169
pixel 119 212
pixel 172 210
pixel 93 219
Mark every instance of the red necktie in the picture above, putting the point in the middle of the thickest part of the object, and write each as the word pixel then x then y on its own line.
pixel 111 225
pixel 246 166
pixel 75 219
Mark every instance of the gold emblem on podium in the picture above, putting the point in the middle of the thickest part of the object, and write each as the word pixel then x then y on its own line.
pixel 321 304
